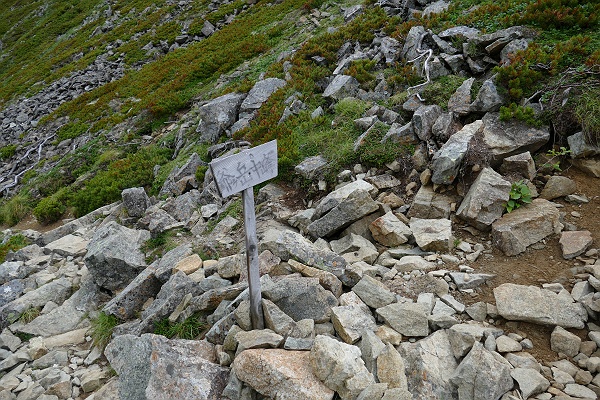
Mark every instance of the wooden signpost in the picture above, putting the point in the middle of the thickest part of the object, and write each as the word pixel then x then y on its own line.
pixel 239 173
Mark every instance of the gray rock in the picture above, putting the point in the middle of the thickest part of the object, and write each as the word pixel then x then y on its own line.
pixel 463 32
pixel 504 344
pixel 428 204
pixel 391 369
pixel 208 29
pixel 464 280
pixel 183 207
pixel 525 226
pixel 540 306
pixel 69 315
pixel 259 93
pixel 370 347
pixel 373 392
pixel 374 293
pixel 288 244
pixel 511 48
pixel 168 262
pixel 460 102
pixel 358 204
pixel 400 134
pixel 580 148
pixel 506 139
pixel 355 248
pixel 135 201
pixel 436 8
pixel 563 341
pixel 11 290
pixel 423 120
pixel 258 338
pixel 130 300
pixel 413 263
pixel 351 321
pixel 575 243
pixel 69 245
pixel 170 186
pixel 335 198
pixel 326 279
pixel 430 357
pixel 280 374
pixel 390 49
pixel 411 45
pixel 312 167
pixel 530 381
pixel 488 98
pixel 218 115
pixel 301 298
pixel 462 337
pixel 445 126
pixel 558 186
pixel 339 366
pixel 482 375
pixel 152 366
pixel 432 234
pixel 580 391
pixel 447 160
pixel 521 164
pixel 275 319
pixel 167 299
pixel 389 230
pixel 485 201
pixel 56 291
pixel 341 86
pixel 114 258
pixel 409 319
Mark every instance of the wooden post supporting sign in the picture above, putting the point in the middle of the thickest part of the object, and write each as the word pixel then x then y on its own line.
pixel 239 173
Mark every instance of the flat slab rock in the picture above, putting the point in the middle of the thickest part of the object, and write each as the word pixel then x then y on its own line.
pixel 527 225
pixel 575 243
pixel 539 306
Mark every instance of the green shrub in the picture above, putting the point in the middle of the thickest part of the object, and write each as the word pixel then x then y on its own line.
pixel 102 328
pixel 8 151
pixel 200 173
pixel 132 171
pixel 525 114
pixel 72 130
pixel 14 243
pixel 50 209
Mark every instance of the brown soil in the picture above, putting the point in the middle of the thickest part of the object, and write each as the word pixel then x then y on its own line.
pixel 545 265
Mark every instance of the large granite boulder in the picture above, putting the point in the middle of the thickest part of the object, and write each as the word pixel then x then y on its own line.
pixel 218 115
pixel 135 201
pixel 114 257
pixel 539 306
pixel 525 226
pixel 341 86
pixel 432 234
pixel 154 367
pixel 486 199
pixel 280 374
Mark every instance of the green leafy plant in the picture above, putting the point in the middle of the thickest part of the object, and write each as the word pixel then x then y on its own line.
pixel 519 195
pixel 525 114
pixel 190 329
pixel 102 329
pixel 553 155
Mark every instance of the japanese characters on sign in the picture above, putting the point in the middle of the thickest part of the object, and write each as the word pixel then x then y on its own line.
pixel 243 170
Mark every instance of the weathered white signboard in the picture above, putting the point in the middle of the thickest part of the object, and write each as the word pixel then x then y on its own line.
pixel 239 173
pixel 247 168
